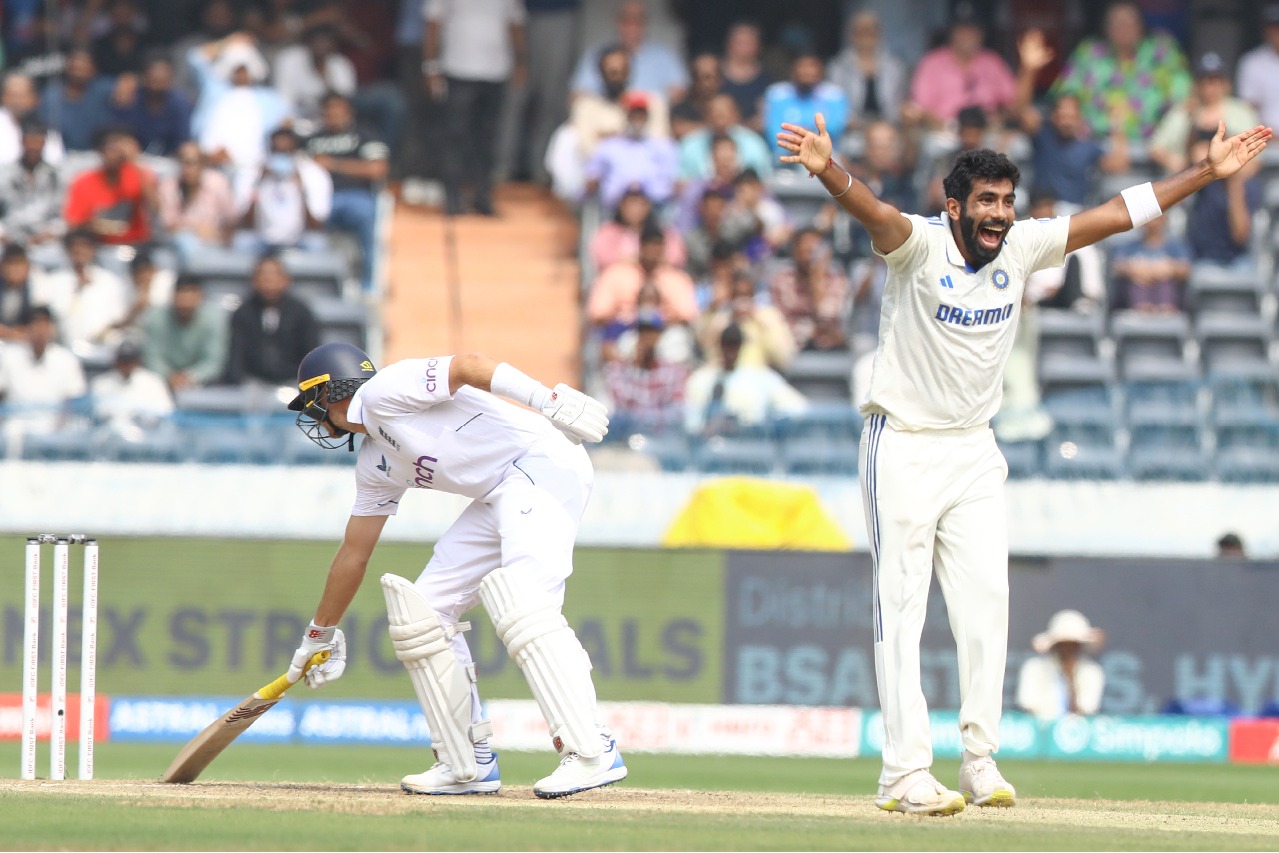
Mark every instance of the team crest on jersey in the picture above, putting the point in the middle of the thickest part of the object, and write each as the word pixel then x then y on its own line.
pixel 1000 279
pixel 384 468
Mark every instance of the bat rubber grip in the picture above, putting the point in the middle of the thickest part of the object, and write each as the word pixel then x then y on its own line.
pixel 276 688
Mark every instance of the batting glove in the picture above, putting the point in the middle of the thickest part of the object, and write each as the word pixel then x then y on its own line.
pixel 578 416
pixel 318 639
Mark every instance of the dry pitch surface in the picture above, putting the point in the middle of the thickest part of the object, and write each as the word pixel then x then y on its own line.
pixel 1153 817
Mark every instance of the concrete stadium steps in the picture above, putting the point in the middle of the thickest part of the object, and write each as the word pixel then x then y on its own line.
pixel 518 278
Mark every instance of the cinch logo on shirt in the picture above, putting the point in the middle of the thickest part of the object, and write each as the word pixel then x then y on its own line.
pixel 968 317
pixel 429 378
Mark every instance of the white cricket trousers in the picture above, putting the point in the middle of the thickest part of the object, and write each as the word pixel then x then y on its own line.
pixel 935 499
pixel 528 522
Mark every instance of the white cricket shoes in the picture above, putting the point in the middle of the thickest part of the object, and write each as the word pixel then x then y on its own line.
pixel 440 780
pixel 982 784
pixel 919 793
pixel 576 774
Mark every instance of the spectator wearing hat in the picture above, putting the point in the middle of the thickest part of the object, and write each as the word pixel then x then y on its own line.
pixel 472 49
pixel 633 159
pixel 117 200
pixel 1220 221
pixel 1259 69
pixel 1063 678
pixel 75 106
pixel 799 99
pixel 619 238
pixel 236 110
pixel 1230 546
pixel 39 378
pixel 646 390
pixel 130 397
pixel 1129 77
pixel 185 342
pixel 1065 158
pixel 31 193
pixel 595 116
pixel 1210 103
pixel 15 292
pixel 959 74
pixel 725 397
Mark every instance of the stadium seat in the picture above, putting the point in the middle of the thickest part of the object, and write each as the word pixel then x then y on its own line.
pixel 1070 461
pixel 1068 333
pixel 316 273
pixel 79 444
pixel 1140 336
pixel 803 199
pixel 1228 340
pixel 1243 464
pixel 736 455
pixel 825 419
pixel 1168 452
pixel 1025 458
pixel 670 449
pixel 1220 289
pixel 340 320
pixel 1064 372
pixel 165 443
pixel 822 375
pixel 820 457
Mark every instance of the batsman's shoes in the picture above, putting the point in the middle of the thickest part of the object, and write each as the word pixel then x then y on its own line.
pixel 440 780
pixel 576 773
pixel 919 793
pixel 982 784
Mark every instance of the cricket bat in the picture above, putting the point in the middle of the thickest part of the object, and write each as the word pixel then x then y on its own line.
pixel 219 734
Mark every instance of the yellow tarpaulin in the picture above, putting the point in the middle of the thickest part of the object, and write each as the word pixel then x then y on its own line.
pixel 741 512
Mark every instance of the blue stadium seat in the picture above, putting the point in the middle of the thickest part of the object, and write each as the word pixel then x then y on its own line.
pixel 165 443
pixel 822 375
pixel 1228 341
pixel 340 320
pixel 1221 289
pixel 1247 464
pixel 670 449
pixel 1141 337
pixel 1066 372
pixel 825 419
pixel 1025 458
pixel 737 455
pixel 1068 460
pixel 1063 332
pixel 1168 452
pixel 818 456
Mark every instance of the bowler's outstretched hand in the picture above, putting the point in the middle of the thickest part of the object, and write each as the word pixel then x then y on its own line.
pixel 1227 156
pixel 809 149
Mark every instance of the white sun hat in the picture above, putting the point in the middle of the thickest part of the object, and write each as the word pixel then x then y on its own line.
pixel 1068 626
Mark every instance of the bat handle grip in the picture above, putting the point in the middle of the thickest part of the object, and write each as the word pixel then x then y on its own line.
pixel 276 688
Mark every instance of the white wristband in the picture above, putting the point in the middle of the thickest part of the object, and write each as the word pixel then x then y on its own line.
pixel 513 385
pixel 1142 204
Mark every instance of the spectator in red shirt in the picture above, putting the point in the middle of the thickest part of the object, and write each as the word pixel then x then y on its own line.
pixel 116 200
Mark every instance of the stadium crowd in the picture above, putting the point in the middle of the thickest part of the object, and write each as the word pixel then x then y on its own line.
pixel 144 144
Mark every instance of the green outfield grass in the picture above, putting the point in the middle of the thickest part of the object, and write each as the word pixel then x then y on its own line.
pixel 1062 806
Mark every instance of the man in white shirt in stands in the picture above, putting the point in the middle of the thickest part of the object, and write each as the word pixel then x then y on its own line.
pixel 130 397
pixel 441 424
pixel 1259 69
pixel 38 378
pixel 932 476
pixel 88 300
pixel 721 399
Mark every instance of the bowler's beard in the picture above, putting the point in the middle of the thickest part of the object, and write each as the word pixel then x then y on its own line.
pixel 968 230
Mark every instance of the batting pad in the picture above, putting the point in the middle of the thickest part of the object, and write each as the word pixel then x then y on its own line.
pixel 442 684
pixel 544 647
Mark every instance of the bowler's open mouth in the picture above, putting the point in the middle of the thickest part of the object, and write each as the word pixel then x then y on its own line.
pixel 991 235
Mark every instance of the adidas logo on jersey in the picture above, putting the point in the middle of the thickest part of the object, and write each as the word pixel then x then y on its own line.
pixel 957 316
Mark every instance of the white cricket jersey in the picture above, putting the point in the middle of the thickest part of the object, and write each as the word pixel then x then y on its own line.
pixel 946 330
pixel 421 437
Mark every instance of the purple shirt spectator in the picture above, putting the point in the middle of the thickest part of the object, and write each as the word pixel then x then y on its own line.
pixel 632 159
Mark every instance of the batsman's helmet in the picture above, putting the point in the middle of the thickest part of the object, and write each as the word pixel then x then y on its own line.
pixel 328 374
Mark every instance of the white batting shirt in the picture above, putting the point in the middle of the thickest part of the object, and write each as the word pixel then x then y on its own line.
pixel 422 437
pixel 946 330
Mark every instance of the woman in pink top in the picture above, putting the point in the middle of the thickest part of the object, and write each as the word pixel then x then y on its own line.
pixel 619 238
pixel 197 207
